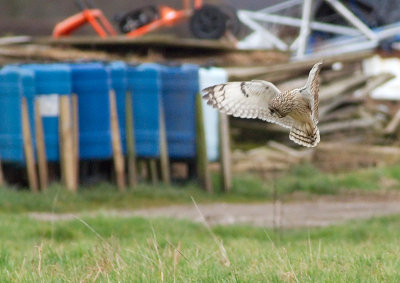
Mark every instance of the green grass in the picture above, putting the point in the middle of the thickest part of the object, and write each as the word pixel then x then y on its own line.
pixel 112 249
pixel 246 188
pixel 307 178
pixel 105 249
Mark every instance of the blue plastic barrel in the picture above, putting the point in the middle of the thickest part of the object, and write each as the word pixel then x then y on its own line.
pixel 27 90
pixel 144 82
pixel 52 80
pixel 11 139
pixel 92 85
pixel 118 73
pixel 209 77
pixel 179 88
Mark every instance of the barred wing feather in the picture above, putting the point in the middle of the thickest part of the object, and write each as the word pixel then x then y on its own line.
pixel 312 88
pixel 245 100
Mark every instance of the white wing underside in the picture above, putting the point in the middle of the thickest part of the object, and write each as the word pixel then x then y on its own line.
pixel 246 100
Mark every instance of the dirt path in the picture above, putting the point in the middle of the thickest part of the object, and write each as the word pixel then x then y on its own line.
pixel 320 212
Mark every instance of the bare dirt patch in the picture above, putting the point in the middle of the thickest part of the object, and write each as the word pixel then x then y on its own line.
pixel 322 211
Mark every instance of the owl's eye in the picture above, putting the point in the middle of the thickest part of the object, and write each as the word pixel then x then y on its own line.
pixel 272 111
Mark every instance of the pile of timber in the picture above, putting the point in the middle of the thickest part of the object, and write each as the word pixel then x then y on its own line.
pixel 346 111
pixel 276 157
pixel 356 130
pixel 339 157
pixel 273 157
pixel 34 52
pixel 43 53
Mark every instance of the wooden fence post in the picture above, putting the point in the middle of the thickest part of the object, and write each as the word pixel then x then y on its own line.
pixel 41 148
pixel 153 171
pixel 28 148
pixel 203 173
pixel 2 181
pixel 225 152
pixel 130 141
pixel 119 163
pixel 67 157
pixel 75 137
pixel 164 158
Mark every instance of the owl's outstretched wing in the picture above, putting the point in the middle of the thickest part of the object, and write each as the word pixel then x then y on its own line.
pixel 312 88
pixel 245 100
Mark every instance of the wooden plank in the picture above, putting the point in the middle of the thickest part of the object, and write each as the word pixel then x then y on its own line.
pixel 203 172
pixel 374 82
pixel 130 141
pixel 225 152
pixel 61 147
pixel 331 75
pixel 143 170
pixel 67 158
pixel 393 124
pixel 352 155
pixel 159 40
pixel 336 88
pixel 75 136
pixel 119 163
pixel 348 125
pixel 12 40
pixel 332 91
pixel 338 102
pixel 41 148
pixel 153 171
pixel 28 148
pixel 2 181
pixel 344 112
pixel 244 73
pixel 164 157
pixel 288 151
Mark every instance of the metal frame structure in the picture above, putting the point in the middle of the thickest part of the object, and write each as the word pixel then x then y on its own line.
pixel 349 39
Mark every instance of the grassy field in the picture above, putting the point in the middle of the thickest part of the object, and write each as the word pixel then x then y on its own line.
pixel 138 250
pixel 112 249
pixel 303 179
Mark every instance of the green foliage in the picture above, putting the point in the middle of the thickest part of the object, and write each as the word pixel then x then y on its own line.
pixel 115 249
pixel 140 250
pixel 246 188
pixel 307 178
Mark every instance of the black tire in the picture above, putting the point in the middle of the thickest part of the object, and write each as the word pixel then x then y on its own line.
pixel 233 24
pixel 137 18
pixel 208 22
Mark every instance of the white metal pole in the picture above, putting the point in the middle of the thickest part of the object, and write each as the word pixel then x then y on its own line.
pixel 347 14
pixel 245 18
pixel 304 29
pixel 289 21
pixel 281 6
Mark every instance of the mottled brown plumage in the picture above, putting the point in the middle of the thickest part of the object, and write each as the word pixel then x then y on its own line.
pixel 296 109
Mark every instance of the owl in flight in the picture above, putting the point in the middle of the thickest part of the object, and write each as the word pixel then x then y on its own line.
pixel 296 109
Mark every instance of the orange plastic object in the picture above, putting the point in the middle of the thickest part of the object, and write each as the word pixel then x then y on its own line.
pixel 169 16
pixel 198 4
pixel 94 17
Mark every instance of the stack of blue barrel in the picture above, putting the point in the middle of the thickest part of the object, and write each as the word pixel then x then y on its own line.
pixel 50 81
pixel 159 93
pixel 11 93
pixel 144 84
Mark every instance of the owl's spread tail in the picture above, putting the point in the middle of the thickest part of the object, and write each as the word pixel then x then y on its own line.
pixel 305 134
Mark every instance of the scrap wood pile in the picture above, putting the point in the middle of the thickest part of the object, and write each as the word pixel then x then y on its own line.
pixel 349 117
pixel 42 53
pixel 134 55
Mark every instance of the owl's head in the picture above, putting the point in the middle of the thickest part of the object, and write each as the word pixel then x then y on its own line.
pixel 281 105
